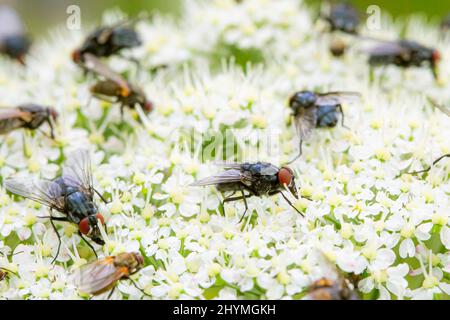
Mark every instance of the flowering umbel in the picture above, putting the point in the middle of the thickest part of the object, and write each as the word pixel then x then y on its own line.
pixel 368 218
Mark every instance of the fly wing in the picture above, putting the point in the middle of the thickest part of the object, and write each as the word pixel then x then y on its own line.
pixel 11 118
pixel 104 35
pixel 45 192
pixel 95 65
pixel 305 122
pixel 440 107
pixel 387 48
pixel 338 97
pixel 229 165
pixel 77 170
pixel 228 176
pixel 10 23
pixel 96 276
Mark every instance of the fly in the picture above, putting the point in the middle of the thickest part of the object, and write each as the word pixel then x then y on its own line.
pixel 252 179
pixel 72 195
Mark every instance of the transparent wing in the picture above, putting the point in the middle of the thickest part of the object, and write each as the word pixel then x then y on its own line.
pixel 8 113
pixel 228 165
pixel 440 107
pixel 46 192
pixel 104 35
pixel 338 97
pixel 387 48
pixel 10 23
pixel 305 122
pixel 97 276
pixel 95 65
pixel 266 168
pixel 77 170
pixel 228 176
pixel 10 119
pixel 7 125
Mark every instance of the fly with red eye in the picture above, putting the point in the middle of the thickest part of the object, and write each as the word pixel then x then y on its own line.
pixel 72 195
pixel 404 54
pixel 252 179
pixel 107 41
pixel 27 116
pixel 102 275
pixel 113 87
pixel 343 287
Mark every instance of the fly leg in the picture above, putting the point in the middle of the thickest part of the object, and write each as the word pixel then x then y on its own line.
pixel 52 133
pixel 290 203
pixel 101 197
pixel 57 234
pixel 299 152
pixel 45 134
pixel 429 168
pixel 243 197
pixel 287 200
pixel 111 293
pixel 245 204
pixel 87 242
pixel 225 200
pixel 122 108
pixel 339 106
pixel 137 287
pixel 55 218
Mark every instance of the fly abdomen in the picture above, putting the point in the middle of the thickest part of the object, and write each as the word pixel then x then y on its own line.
pixel 327 116
pixel 232 186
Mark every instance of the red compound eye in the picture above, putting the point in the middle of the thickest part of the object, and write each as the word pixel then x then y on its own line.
pixel 285 176
pixel 436 56
pixel 148 106
pixel 76 56
pixel 84 226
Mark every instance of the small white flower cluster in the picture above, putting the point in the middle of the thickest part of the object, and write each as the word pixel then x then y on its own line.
pixel 391 230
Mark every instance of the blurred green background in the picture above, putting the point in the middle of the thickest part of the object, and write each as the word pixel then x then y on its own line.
pixel 42 14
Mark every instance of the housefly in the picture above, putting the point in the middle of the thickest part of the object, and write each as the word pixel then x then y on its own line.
pixel 13 40
pixel 108 40
pixel 317 110
pixel 404 54
pixel 439 106
pixel 342 288
pixel 326 289
pixel 102 275
pixel 72 195
pixel 252 179
pixel 114 88
pixel 343 17
pixel 29 116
